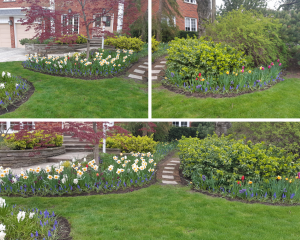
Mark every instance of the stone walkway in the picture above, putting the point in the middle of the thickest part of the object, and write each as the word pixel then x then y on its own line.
pixel 140 72
pixel 156 69
pixel 168 171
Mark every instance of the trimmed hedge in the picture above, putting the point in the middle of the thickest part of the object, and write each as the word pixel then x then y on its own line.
pixel 123 42
pixel 175 133
pixel 186 34
pixel 227 159
pixel 131 143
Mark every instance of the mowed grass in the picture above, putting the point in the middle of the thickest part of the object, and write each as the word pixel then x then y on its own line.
pixel 280 101
pixel 59 97
pixel 168 212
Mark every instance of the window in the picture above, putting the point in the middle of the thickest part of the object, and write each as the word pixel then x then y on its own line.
pixel 166 19
pixel 72 23
pixel 190 1
pixel 190 24
pixel 180 124
pixel 98 21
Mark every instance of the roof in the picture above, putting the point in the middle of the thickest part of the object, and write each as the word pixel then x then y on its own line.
pixel 11 12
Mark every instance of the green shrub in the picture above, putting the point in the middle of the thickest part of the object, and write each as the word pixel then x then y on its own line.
pixel 30 41
pixel 70 39
pixel 131 143
pixel 186 34
pixel 175 133
pixel 81 39
pixel 34 139
pixel 192 56
pixel 281 134
pixel 249 31
pixel 229 159
pixel 154 44
pixel 123 42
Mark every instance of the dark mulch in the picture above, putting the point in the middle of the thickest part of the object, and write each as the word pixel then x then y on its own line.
pixel 13 106
pixel 293 70
pixel 186 181
pixel 64 229
pixel 120 74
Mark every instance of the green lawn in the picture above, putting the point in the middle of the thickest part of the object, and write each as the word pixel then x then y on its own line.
pixel 280 101
pixel 59 97
pixel 168 212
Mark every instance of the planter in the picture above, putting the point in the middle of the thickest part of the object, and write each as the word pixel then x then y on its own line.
pixel 112 150
pixel 55 48
pixel 25 158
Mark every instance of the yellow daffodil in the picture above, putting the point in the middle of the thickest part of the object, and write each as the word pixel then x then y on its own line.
pixel 279 178
pixel 250 182
pixel 227 72
pixel 50 177
pixel 249 71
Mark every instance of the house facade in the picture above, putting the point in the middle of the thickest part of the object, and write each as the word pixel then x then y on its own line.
pixel 188 10
pixel 12 31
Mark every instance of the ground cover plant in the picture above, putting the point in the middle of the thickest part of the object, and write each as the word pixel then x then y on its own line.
pixel 244 170
pixel 62 97
pixel 30 223
pixel 196 65
pixel 12 89
pixel 102 63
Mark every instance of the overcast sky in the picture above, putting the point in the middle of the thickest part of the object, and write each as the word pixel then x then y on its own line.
pixel 271 3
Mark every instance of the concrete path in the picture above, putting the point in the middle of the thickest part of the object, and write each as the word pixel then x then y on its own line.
pixel 55 160
pixel 168 171
pixel 12 54
pixel 140 72
pixel 156 69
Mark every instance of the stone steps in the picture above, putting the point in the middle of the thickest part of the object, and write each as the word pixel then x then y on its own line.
pixel 140 72
pixel 156 69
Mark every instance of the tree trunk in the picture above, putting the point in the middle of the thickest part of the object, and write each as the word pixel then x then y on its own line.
pixel 204 12
pixel 222 127
pixel 145 20
pixel 96 146
pixel 213 11
pixel 159 13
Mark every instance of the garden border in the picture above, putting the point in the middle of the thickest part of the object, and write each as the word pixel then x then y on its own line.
pixel 29 157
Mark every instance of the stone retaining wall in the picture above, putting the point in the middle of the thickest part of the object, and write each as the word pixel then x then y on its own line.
pixel 25 158
pixel 56 48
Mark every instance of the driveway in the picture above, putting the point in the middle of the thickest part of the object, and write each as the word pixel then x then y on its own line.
pixel 12 54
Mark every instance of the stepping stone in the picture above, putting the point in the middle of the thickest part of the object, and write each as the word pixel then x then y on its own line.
pixel 159 66
pixel 168 171
pixel 171 164
pixel 139 71
pixel 170 168
pixel 141 66
pixel 154 77
pixel 163 62
pixel 156 71
pixel 167 176
pixel 175 161
pixel 135 76
pixel 146 63
pixel 169 182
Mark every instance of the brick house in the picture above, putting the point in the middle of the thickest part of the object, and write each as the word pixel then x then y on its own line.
pixel 11 31
pixel 188 10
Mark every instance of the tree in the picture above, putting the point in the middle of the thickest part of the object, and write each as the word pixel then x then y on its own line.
pixel 55 20
pixel 166 9
pixel 205 128
pixel 92 133
pixel 204 14
pixel 230 5
pixel 289 5
pixel 139 128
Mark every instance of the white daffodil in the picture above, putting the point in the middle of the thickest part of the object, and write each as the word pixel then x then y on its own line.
pixel 75 181
pixel 3 74
pixel 2 203
pixel 21 216
pixel 31 215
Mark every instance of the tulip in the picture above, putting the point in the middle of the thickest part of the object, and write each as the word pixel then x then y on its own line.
pixel 243 178
pixel 277 60
pixel 199 74
pixel 243 67
pixel 279 64
pixel 298 174
pixel 269 66
pixel 262 68
pixel 272 64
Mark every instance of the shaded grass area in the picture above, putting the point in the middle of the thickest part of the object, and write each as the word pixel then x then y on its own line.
pixel 59 97
pixel 279 101
pixel 168 212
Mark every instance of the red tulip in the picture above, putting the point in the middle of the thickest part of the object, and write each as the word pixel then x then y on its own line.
pixel 243 178
pixel 277 60
pixel 199 74
pixel 87 165
pixel 196 79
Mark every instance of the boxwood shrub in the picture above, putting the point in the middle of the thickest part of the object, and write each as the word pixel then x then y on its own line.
pixel 227 160
pixel 123 42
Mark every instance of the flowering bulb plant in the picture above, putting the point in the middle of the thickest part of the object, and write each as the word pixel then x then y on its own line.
pixel 12 88
pixel 103 63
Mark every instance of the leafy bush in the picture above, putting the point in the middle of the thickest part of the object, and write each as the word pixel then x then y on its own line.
pixel 193 56
pixel 123 42
pixel 131 143
pixel 30 41
pixel 186 34
pixel 227 160
pixel 169 32
pixel 249 31
pixel 205 128
pixel 176 133
pixel 66 39
pixel 154 44
pixel 81 39
pixel 281 134
pixel 34 139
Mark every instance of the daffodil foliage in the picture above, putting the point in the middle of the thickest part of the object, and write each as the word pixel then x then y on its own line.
pixel 12 88
pixel 102 63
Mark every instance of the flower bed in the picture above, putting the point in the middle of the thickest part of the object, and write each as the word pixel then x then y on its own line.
pixel 12 89
pixel 75 178
pixel 101 64
pixel 248 171
pixel 19 223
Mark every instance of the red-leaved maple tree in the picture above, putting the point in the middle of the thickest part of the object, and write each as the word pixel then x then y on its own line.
pixel 55 19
